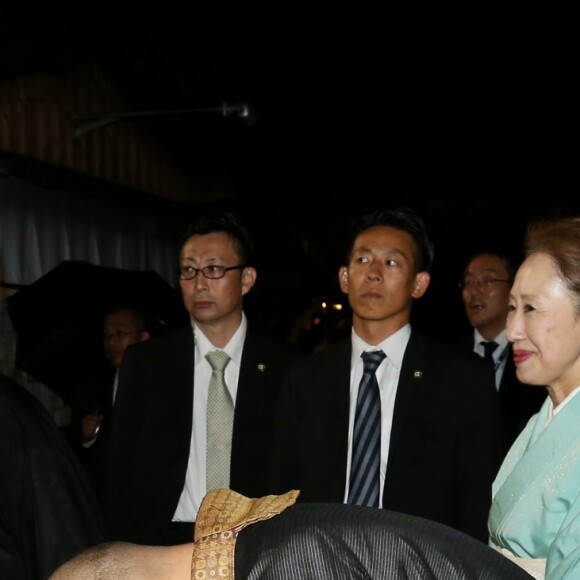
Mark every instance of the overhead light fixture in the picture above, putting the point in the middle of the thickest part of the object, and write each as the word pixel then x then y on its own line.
pixel 87 122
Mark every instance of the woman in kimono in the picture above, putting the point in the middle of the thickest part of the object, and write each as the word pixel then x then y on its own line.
pixel 535 514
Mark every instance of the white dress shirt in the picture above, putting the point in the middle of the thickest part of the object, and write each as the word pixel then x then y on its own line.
pixel 195 486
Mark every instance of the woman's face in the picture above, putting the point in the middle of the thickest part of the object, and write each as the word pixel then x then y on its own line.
pixel 544 328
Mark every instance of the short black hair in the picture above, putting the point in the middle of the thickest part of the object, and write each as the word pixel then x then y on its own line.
pixel 402 218
pixel 137 311
pixel 507 256
pixel 229 223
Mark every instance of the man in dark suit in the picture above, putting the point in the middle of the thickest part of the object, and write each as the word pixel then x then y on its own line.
pixel 485 288
pixel 159 456
pixel 123 325
pixel 439 435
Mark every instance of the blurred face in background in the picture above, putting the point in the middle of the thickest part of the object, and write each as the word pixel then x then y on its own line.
pixel 121 329
pixel 485 292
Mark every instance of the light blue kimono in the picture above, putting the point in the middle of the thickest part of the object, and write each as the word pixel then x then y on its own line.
pixel 536 495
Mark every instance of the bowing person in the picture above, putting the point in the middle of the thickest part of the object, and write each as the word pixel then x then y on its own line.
pixel 246 539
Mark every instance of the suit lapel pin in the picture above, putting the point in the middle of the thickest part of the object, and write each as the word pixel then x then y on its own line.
pixel 417 374
pixel 261 367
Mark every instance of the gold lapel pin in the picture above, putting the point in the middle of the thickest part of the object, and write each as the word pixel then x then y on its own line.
pixel 261 367
pixel 417 374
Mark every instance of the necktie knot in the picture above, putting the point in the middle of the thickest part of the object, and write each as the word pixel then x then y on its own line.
pixel 489 349
pixel 372 360
pixel 218 359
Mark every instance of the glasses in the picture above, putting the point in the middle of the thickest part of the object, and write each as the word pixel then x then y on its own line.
pixel 211 272
pixel 483 284
pixel 119 334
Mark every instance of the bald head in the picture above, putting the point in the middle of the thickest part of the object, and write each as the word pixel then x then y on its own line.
pixel 128 561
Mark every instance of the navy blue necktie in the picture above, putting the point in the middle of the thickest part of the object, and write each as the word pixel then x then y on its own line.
pixel 489 349
pixel 364 485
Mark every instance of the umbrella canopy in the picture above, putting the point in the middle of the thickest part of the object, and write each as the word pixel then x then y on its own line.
pixel 59 318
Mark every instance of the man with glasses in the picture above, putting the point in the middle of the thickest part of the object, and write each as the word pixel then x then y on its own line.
pixel 162 447
pixel 123 325
pixel 485 288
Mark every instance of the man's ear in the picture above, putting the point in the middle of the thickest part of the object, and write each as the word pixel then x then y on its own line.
pixel 343 279
pixel 422 280
pixel 249 276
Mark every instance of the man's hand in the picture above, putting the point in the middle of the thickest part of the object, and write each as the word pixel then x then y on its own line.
pixel 90 426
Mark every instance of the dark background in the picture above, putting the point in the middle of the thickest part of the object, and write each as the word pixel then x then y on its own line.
pixel 468 117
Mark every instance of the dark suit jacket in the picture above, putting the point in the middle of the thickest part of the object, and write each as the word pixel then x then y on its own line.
pixel 444 450
pixel 99 395
pixel 152 422
pixel 518 401
pixel 48 512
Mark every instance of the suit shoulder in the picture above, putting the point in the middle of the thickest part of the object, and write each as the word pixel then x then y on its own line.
pixel 163 342
pixel 324 359
pixel 266 343
pixel 15 397
pixel 448 353
pixel 463 342
pixel 21 411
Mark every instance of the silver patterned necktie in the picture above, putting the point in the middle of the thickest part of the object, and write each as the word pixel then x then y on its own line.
pixel 365 466
pixel 220 420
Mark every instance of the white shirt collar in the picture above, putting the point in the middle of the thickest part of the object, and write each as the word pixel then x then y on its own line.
pixel 552 412
pixel 233 348
pixel 501 339
pixel 393 346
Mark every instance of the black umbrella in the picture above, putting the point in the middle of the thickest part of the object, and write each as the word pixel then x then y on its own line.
pixel 58 319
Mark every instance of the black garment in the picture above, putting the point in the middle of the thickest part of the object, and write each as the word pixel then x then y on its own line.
pixel 445 448
pixel 48 511
pixel 352 542
pixel 96 398
pixel 518 402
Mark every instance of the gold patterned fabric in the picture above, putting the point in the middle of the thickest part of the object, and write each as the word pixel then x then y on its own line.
pixel 222 515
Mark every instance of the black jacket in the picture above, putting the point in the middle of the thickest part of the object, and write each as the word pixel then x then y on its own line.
pixel 48 511
pixel 518 401
pixel 152 422
pixel 445 447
